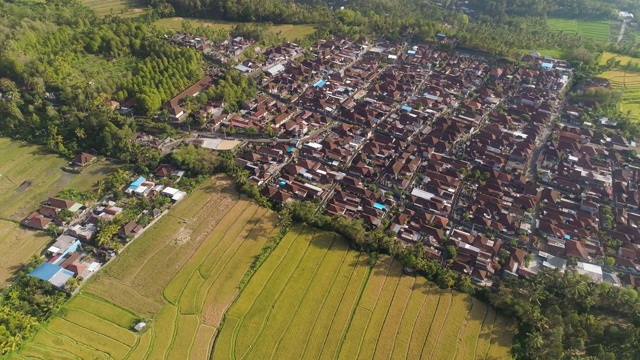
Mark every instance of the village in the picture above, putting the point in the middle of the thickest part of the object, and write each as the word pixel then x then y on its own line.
pixel 482 163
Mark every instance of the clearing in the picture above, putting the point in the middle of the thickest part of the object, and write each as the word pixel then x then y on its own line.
pixel 316 298
pixel 596 30
pixel 124 8
pixel 28 176
pixel 288 31
pixel 180 277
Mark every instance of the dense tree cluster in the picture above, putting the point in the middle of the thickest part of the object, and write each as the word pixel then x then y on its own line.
pixel 594 9
pixel 24 307
pixel 563 316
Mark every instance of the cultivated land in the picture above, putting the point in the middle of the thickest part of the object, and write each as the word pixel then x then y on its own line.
pixel 597 30
pixel 28 176
pixel 316 298
pixel 125 8
pixel 180 276
pixel 630 83
pixel 288 31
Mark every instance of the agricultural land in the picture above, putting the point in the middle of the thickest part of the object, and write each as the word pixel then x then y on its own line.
pixel 124 8
pixel 630 83
pixel 287 31
pixel 596 30
pixel 315 298
pixel 28 176
pixel 180 276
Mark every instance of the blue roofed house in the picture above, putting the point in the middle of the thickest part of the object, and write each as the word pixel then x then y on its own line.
pixel 135 184
pixel 54 274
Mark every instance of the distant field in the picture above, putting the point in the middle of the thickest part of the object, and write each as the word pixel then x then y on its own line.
pixel 180 276
pixel 125 8
pixel 624 59
pixel 288 31
pixel 554 53
pixel 597 30
pixel 28 176
pixel 630 83
pixel 316 298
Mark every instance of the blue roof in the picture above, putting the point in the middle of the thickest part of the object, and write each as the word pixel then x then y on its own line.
pixel 441 35
pixel 136 184
pixel 45 271
pixel 406 108
pixel 411 52
pixel 290 149
pixel 379 206
pixel 568 237
pixel 283 183
pixel 320 83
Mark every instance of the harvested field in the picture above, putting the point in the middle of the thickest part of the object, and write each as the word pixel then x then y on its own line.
pixel 181 288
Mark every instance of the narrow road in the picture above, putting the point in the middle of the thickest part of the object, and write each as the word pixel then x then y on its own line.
pixel 622 29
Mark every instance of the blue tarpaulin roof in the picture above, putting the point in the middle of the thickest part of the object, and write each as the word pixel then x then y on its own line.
pixel 320 83
pixel 411 52
pixel 136 184
pixel 406 108
pixel 379 206
pixel 45 271
pixel 290 149
pixel 282 183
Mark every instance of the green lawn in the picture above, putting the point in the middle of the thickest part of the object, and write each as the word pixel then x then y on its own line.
pixel 288 31
pixel 596 30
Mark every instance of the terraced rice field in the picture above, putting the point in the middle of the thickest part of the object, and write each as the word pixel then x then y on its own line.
pixel 629 82
pixel 624 59
pixel 315 298
pixel 28 176
pixel 180 277
pixel 288 31
pixel 596 30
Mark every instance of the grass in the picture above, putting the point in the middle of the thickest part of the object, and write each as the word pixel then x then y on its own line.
pixel 125 8
pixel 596 30
pixel 288 31
pixel 28 176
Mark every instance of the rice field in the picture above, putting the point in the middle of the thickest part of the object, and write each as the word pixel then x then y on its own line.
pixel 28 176
pixel 596 30
pixel 179 277
pixel 288 31
pixel 316 298
pixel 125 8
pixel 624 59
pixel 629 82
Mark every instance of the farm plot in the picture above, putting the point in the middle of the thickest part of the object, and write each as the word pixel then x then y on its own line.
pixel 629 82
pixel 28 176
pixel 125 8
pixel 596 30
pixel 180 276
pixel 315 298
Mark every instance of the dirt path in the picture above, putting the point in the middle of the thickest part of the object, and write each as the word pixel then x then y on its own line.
pixel 622 29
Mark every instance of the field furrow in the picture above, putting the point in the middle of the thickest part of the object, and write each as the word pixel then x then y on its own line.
pixel 400 304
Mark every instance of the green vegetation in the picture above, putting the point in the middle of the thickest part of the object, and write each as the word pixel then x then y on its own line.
pixel 596 30
pixel 566 314
pixel 289 32
pixel 123 8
